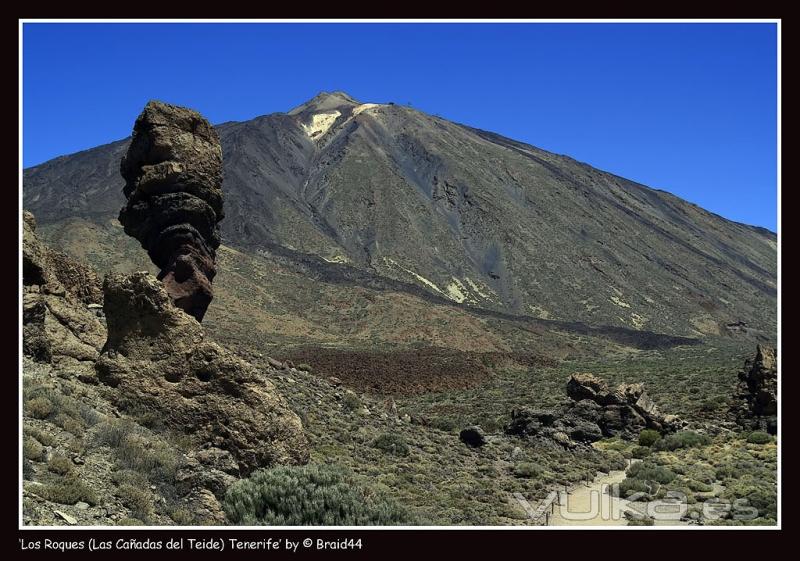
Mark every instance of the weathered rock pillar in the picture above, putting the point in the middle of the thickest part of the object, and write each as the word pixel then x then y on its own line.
pixel 173 183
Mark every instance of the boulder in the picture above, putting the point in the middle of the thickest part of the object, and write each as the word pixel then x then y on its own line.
pixel 580 421
pixel 527 421
pixel 624 410
pixel 585 410
pixel 173 186
pixel 622 420
pixel 585 432
pixel 473 436
pixel 587 386
pixel 629 394
pixel 157 358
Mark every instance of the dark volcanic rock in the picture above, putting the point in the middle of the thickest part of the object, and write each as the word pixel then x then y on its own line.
pixel 158 359
pixel 473 436
pixel 624 411
pixel 622 420
pixel 588 386
pixel 758 392
pixel 528 422
pixel 594 411
pixel 173 186
pixel 585 432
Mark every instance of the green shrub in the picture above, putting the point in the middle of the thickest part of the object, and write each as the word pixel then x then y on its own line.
pixel 648 437
pixel 614 460
pixel 350 402
pixel 391 443
pixel 759 493
pixel 138 499
pixel 32 449
pixel 648 471
pixel 645 477
pixel 129 477
pixel 73 425
pixel 127 521
pixel 642 521
pixel 40 435
pixel 137 450
pixel 182 517
pixel 305 367
pixel 445 424
pixel 45 403
pixel 728 472
pixel 615 443
pixel 630 486
pixel 640 452
pixel 699 486
pixel 682 439
pixel 528 469
pixel 60 465
pixel 69 491
pixel 309 495
pixel 759 437
pixel 39 407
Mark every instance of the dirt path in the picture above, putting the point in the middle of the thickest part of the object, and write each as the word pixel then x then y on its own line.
pixel 591 505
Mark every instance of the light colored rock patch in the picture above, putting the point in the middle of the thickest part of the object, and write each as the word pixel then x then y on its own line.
pixel 638 321
pixel 705 324
pixel 337 259
pixel 619 302
pixel 320 124
pixel 456 291
pixel 477 289
pixel 539 312
pixel 420 278
pixel 364 106
pixel 588 305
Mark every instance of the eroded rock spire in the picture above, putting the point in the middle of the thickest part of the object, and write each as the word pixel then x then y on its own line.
pixel 173 183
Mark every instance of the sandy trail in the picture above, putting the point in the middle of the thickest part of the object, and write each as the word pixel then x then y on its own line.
pixel 591 505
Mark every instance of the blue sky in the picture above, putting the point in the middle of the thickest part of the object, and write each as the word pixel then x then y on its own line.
pixel 689 108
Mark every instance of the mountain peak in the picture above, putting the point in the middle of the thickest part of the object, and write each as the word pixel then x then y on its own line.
pixel 325 101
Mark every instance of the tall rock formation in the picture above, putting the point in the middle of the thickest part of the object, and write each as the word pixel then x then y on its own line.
pixel 757 392
pixel 173 186
pixel 156 355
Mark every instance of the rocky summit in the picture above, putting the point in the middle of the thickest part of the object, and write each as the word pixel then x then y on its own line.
pixel 173 186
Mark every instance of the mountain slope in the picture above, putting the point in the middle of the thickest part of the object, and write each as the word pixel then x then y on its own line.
pixel 462 213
